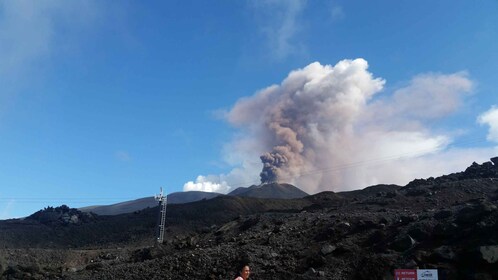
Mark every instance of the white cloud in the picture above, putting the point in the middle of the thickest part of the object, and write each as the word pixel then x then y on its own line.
pixel 245 174
pixel 25 34
pixel 30 40
pixel 490 118
pixel 279 22
pixel 206 184
pixel 28 32
pixel 324 128
pixel 426 97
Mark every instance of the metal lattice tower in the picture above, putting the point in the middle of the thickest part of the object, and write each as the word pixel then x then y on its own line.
pixel 162 222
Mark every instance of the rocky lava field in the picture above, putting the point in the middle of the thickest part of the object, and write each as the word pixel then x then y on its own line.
pixel 449 223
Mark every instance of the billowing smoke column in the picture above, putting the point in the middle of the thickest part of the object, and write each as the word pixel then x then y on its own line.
pixel 324 116
pixel 302 115
pixel 272 163
pixel 324 128
pixel 285 160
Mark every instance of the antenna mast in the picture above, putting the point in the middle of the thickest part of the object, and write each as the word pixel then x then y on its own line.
pixel 162 222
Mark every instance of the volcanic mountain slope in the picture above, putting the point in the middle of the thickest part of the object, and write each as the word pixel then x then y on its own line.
pixel 62 227
pixel 122 207
pixel 190 196
pixel 142 203
pixel 449 223
pixel 274 190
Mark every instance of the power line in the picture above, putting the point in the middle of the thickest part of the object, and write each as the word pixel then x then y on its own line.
pixel 66 200
pixel 335 168
pixel 370 162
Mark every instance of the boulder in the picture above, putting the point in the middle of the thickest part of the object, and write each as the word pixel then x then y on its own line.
pixel 403 243
pixel 327 249
pixel 443 253
pixel 489 253
pixel 419 233
pixel 472 214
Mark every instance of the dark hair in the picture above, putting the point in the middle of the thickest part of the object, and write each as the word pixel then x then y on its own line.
pixel 240 267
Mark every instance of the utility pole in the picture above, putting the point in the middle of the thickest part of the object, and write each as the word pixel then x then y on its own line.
pixel 162 208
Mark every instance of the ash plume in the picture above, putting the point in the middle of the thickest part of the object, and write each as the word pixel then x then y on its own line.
pixel 323 116
pixel 331 127
pixel 302 115
pixel 273 163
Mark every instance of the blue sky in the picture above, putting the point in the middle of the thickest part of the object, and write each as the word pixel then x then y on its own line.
pixel 102 102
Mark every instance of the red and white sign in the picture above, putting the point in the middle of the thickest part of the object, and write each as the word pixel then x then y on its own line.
pixel 405 274
pixel 415 274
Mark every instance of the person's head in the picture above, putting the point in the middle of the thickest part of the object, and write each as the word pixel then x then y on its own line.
pixel 244 271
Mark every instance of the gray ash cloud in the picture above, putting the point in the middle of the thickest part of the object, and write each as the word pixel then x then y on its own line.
pixel 272 163
pixel 327 127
